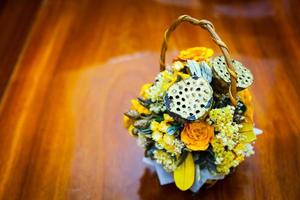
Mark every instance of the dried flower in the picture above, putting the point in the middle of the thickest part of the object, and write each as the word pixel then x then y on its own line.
pixel 127 121
pixel 246 97
pixel 195 53
pixel 165 159
pixel 144 90
pixel 197 135
pixel 136 105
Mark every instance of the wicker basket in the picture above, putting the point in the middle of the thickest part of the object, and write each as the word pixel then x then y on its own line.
pixel 208 26
pixel 194 99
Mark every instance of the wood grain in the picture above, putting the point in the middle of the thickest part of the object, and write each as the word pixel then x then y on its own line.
pixel 69 69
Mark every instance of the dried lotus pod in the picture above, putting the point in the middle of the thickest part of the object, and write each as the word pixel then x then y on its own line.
pixel 189 99
pixel 220 72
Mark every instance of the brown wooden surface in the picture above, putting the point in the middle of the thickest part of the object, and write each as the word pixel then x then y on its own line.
pixel 68 69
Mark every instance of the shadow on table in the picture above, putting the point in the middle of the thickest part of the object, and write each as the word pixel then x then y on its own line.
pixel 228 188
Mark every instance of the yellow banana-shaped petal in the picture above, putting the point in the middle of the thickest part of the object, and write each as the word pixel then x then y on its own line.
pixel 185 173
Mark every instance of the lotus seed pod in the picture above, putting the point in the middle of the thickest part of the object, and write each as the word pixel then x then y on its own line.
pixel 189 99
pixel 244 75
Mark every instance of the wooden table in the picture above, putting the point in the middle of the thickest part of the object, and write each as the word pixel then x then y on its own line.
pixel 69 68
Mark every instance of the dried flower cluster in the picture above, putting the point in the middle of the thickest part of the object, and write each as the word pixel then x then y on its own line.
pixel 178 116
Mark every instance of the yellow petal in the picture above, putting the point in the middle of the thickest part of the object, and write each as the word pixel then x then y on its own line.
pixel 163 126
pixel 178 66
pixel 184 174
pixel 168 139
pixel 127 121
pixel 168 118
pixel 130 129
pixel 198 147
pixel 154 126
pixel 144 89
pixel 183 75
pixel 157 136
pixel 248 132
pixel 246 97
pixel 136 105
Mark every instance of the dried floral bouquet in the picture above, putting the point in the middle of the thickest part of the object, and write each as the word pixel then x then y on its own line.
pixel 195 121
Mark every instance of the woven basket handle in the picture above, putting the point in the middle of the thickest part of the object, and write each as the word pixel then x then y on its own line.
pixel 207 25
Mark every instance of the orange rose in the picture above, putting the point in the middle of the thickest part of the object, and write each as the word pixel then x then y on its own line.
pixel 197 135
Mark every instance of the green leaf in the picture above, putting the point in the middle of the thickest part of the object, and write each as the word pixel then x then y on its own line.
pixel 145 131
pixel 145 102
pixel 182 157
pixel 159 118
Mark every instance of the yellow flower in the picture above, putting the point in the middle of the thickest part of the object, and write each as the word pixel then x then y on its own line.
pixel 246 98
pixel 164 80
pixel 197 135
pixel 130 129
pixel 157 136
pixel 165 159
pixel 168 139
pixel 154 126
pixel 168 118
pixel 195 53
pixel 163 126
pixel 144 90
pixel 217 145
pixel 168 142
pixel 248 133
pixel 240 158
pixel 182 75
pixel 136 105
pixel 177 66
pixel 127 121
pixel 227 162
pixel 239 148
pixel 171 78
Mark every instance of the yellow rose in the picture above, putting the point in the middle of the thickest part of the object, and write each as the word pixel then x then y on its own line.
pixel 197 135
pixel 246 98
